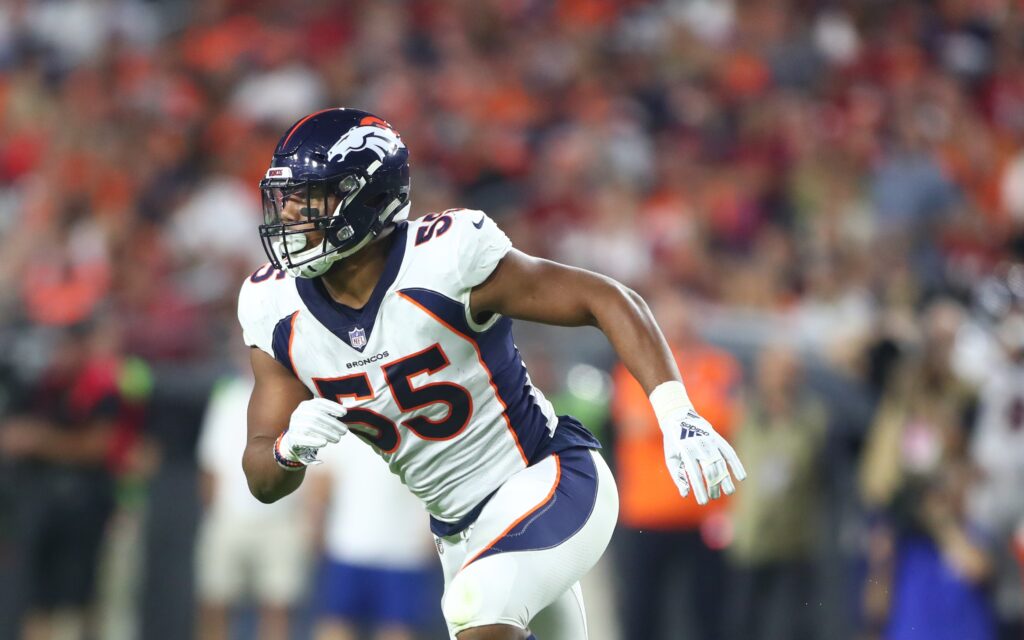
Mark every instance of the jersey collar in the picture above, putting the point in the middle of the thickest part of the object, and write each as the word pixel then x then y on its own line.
pixel 347 323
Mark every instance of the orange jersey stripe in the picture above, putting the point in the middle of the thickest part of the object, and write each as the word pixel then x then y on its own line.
pixel 291 341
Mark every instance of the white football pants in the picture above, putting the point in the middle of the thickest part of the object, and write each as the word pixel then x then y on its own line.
pixel 521 561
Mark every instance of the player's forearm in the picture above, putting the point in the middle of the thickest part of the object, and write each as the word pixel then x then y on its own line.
pixel 268 481
pixel 623 316
pixel 275 396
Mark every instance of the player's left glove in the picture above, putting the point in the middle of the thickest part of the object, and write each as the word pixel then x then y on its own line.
pixel 694 452
pixel 314 424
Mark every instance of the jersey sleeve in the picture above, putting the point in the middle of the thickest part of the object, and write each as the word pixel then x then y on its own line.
pixel 254 314
pixel 482 245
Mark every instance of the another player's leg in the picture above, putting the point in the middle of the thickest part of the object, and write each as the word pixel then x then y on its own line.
pixel 36 626
pixel 394 632
pixel 220 576
pixel 279 554
pixel 335 629
pixel 341 589
pixel 645 571
pixel 541 532
pixel 212 623
pixel 405 603
pixel 274 622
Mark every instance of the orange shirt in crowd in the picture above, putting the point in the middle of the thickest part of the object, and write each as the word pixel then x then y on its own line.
pixel 648 497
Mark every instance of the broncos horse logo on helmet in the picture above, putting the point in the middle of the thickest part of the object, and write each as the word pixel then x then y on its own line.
pixel 372 133
pixel 351 170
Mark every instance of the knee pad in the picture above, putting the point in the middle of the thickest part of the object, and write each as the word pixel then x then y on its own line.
pixel 463 600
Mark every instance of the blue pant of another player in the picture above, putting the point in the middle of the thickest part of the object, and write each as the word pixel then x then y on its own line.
pixel 394 603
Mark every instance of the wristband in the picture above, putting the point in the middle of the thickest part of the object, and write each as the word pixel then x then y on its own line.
pixel 668 398
pixel 283 462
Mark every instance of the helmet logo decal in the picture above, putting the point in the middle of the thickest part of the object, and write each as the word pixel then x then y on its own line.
pixel 378 138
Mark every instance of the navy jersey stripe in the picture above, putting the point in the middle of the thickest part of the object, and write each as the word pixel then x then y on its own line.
pixel 563 513
pixel 501 357
pixel 282 341
pixel 570 434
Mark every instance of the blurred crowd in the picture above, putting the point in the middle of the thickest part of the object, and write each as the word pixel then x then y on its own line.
pixel 823 201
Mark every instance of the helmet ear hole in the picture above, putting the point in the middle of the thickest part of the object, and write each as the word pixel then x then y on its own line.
pixel 348 183
pixel 343 233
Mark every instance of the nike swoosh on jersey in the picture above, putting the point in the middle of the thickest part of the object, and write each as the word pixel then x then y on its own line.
pixel 479 224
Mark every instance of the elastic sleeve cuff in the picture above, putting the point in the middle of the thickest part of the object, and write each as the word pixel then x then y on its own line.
pixel 669 397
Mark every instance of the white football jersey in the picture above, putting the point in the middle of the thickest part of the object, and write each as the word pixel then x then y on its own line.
pixel 446 401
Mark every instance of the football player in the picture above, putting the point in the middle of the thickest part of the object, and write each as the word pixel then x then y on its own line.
pixel 400 332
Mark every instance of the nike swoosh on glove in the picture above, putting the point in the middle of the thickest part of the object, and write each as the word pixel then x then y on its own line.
pixel 313 425
pixel 696 456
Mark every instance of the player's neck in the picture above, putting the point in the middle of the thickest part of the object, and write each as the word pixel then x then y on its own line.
pixel 351 281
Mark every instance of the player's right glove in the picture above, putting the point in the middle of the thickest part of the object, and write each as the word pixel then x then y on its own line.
pixel 314 424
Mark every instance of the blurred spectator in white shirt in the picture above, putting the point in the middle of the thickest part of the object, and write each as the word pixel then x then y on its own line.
pixel 379 568
pixel 246 549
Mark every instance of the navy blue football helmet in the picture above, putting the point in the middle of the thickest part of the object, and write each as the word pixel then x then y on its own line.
pixel 344 173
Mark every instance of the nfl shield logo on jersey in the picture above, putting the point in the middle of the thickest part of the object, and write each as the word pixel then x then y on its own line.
pixel 357 338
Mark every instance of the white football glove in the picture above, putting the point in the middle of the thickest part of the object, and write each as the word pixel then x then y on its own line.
pixel 695 453
pixel 314 424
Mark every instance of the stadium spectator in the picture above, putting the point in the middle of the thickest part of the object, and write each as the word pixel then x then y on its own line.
pixel 922 417
pixel 928 561
pixel 929 568
pixel 246 552
pixel 778 524
pixel 663 543
pixel 997 448
pixel 66 446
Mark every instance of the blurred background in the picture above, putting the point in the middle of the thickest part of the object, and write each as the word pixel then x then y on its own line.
pixel 822 200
